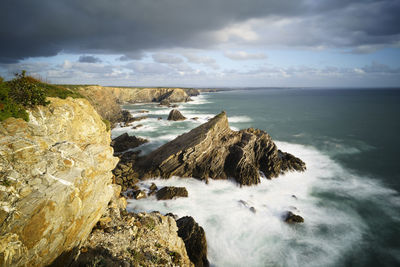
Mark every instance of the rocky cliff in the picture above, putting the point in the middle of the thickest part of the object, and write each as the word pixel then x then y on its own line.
pixel 55 181
pixel 145 95
pixel 213 150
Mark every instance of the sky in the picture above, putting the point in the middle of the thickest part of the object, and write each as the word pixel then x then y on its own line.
pixel 207 43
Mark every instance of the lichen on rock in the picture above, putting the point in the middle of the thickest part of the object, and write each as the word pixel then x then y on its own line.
pixel 56 176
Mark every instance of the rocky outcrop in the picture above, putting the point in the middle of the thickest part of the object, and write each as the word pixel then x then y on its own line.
pixel 175 115
pixel 129 239
pixel 125 142
pixel 55 181
pixel 213 150
pixel 290 217
pixel 195 240
pixel 171 192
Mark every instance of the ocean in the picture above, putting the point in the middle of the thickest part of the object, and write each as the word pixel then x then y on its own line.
pixel 348 197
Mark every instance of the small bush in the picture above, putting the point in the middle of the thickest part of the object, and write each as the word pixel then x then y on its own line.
pixel 8 107
pixel 26 92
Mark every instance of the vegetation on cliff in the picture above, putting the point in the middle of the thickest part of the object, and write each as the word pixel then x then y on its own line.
pixel 24 92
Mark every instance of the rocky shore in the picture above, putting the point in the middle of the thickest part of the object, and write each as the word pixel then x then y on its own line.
pixel 63 182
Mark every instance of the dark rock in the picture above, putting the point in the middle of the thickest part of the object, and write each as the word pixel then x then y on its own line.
pixel 290 217
pixel 170 192
pixel 213 150
pixel 153 187
pixel 125 142
pixel 137 126
pixel 195 118
pixel 253 210
pixel 159 118
pixel 165 102
pixel 195 240
pixel 136 194
pixel 175 115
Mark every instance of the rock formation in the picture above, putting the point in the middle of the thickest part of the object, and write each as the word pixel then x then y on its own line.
pixel 55 181
pixel 213 150
pixel 195 240
pixel 290 217
pixel 128 239
pixel 176 115
pixel 170 192
pixel 125 142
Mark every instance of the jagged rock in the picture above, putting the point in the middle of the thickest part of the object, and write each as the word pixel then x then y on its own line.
pixel 153 187
pixel 59 170
pixel 290 217
pixel 192 92
pixel 170 192
pixel 195 240
pixel 125 142
pixel 213 150
pixel 175 115
pixel 134 240
pixel 136 194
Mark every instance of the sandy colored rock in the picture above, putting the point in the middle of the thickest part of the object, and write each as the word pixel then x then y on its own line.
pixel 175 115
pixel 56 175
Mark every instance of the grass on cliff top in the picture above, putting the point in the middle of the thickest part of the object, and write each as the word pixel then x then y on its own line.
pixel 24 92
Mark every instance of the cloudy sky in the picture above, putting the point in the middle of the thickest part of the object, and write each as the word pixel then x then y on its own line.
pixel 207 43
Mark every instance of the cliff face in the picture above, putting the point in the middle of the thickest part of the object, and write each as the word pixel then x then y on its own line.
pixel 213 150
pixel 104 101
pixel 145 95
pixel 55 175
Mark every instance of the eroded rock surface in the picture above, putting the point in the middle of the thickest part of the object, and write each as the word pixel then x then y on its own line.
pixel 55 181
pixel 213 150
pixel 195 240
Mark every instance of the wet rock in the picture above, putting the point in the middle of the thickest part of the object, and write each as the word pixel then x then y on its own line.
pixel 253 210
pixel 290 217
pixel 175 115
pixel 170 192
pixel 213 150
pixel 125 142
pixel 159 118
pixel 153 187
pixel 195 118
pixel 137 126
pixel 195 240
pixel 138 194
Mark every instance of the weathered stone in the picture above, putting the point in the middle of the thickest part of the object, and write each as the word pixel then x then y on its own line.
pixel 153 187
pixel 290 217
pixel 213 150
pixel 195 240
pixel 137 126
pixel 170 192
pixel 65 151
pixel 175 115
pixel 125 142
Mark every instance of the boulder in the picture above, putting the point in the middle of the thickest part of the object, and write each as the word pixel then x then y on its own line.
pixel 290 217
pixel 165 102
pixel 175 115
pixel 170 192
pixel 213 150
pixel 125 142
pixel 195 240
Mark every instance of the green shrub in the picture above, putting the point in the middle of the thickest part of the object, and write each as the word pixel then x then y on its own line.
pixel 26 92
pixel 8 107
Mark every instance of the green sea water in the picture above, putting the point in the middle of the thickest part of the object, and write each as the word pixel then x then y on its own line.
pixel 349 196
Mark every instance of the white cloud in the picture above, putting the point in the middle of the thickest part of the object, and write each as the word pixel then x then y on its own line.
pixel 242 55
pixel 204 60
pixel 166 58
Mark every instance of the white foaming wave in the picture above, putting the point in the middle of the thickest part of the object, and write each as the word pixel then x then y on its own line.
pixel 236 119
pixel 238 237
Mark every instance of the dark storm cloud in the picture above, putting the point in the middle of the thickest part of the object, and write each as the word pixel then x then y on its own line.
pixel 89 59
pixel 44 28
